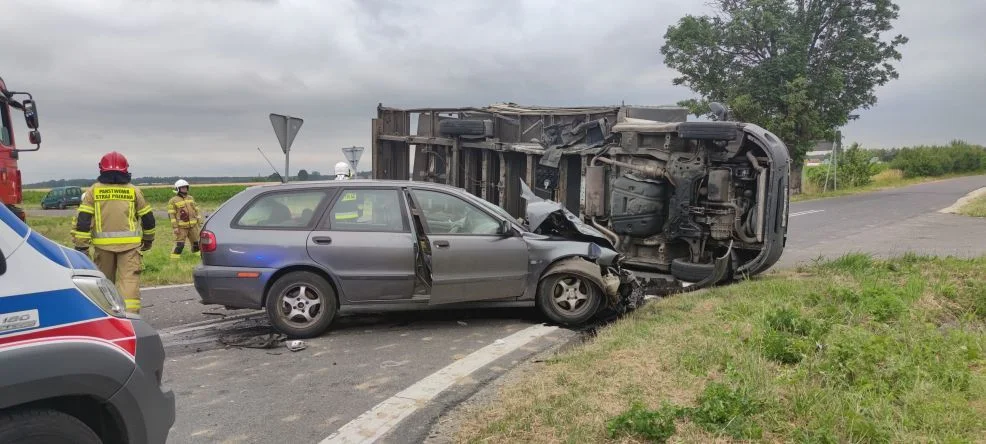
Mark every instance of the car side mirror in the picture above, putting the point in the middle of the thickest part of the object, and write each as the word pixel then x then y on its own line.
pixel 31 114
pixel 34 137
pixel 505 228
pixel 3 263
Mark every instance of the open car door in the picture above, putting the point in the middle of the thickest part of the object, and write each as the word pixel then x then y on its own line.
pixel 474 255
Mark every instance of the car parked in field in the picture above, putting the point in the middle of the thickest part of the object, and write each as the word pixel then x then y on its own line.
pixel 62 198
pixel 308 251
pixel 74 366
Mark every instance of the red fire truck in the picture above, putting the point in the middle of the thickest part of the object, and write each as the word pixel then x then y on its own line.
pixel 11 194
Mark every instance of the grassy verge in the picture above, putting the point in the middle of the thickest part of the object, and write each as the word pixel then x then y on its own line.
pixel 854 350
pixel 975 208
pixel 208 196
pixel 886 180
pixel 159 268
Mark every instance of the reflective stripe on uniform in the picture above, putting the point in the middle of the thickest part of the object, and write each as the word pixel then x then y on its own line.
pixel 144 211
pixel 132 304
pixel 116 238
pixel 81 235
pixel 347 216
pixel 86 209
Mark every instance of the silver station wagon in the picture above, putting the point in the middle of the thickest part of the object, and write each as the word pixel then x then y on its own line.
pixel 307 252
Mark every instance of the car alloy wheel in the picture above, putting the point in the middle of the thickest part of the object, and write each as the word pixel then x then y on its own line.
pixel 570 295
pixel 301 304
pixel 569 299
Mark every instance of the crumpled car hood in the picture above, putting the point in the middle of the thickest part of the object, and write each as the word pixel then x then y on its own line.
pixel 552 218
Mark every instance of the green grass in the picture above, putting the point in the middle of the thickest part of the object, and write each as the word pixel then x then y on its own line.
pixel 887 180
pixel 852 350
pixel 159 268
pixel 975 208
pixel 208 196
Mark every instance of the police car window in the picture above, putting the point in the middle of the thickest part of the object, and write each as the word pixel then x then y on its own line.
pixel 447 214
pixel 294 209
pixel 367 210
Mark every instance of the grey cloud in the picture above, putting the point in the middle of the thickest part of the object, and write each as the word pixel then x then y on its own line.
pixel 185 86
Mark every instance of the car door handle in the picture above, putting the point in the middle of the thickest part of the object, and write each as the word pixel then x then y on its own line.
pixel 441 244
pixel 322 240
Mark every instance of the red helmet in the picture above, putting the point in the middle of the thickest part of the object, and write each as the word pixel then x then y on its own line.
pixel 113 161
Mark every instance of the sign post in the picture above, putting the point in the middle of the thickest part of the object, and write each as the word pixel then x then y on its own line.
pixel 285 128
pixel 353 154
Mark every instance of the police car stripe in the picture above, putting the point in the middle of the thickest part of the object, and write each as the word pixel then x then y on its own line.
pixel 108 329
pixel 130 350
pixel 11 220
pixel 56 307
pixel 49 249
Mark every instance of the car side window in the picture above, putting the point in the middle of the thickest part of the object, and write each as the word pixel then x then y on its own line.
pixel 289 209
pixel 367 210
pixel 447 214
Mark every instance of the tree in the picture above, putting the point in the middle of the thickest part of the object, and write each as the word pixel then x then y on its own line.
pixel 302 175
pixel 315 175
pixel 796 67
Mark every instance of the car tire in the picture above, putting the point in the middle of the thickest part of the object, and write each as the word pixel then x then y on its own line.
pixel 61 205
pixel 313 304
pixel 708 130
pixel 44 427
pixel 462 127
pixel 568 299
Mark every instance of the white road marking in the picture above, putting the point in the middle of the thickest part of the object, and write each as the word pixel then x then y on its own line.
pixel 806 212
pixel 165 287
pixel 378 421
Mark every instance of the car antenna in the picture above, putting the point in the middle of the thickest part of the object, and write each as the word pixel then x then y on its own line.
pixel 271 165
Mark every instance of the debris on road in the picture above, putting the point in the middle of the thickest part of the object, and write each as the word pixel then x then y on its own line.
pixel 462 323
pixel 297 345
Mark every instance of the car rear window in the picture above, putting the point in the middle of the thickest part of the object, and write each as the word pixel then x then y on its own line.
pixel 289 209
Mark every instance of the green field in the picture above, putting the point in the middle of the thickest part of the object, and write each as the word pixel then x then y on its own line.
pixel 854 350
pixel 209 196
pixel 159 268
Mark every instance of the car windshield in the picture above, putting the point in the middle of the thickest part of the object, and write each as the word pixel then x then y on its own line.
pixel 494 208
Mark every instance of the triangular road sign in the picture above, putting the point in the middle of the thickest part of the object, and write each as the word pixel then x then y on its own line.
pixel 353 154
pixel 285 128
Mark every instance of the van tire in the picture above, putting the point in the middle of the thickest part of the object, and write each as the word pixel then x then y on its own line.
pixel 37 426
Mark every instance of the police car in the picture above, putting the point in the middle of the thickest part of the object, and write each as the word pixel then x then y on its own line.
pixel 74 366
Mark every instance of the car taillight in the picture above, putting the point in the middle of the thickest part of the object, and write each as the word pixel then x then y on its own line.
pixel 207 241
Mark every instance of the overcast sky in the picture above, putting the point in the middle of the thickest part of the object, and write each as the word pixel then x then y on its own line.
pixel 185 87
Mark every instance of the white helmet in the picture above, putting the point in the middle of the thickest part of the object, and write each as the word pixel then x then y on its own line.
pixel 180 183
pixel 342 170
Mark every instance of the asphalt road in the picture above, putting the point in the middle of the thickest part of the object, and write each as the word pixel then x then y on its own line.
pixel 231 389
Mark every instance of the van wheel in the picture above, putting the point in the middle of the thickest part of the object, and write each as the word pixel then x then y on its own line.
pixel 44 427
pixel 301 304
pixel 568 299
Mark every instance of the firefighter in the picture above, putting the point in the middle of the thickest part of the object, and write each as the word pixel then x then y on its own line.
pixel 116 220
pixel 185 219
pixel 342 171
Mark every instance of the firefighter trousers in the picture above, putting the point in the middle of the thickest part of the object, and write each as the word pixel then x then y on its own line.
pixel 186 234
pixel 123 268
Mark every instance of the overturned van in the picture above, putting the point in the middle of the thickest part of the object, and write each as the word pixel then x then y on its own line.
pixel 699 202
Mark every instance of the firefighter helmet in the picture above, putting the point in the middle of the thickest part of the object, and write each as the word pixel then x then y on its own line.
pixel 180 183
pixel 342 170
pixel 113 161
